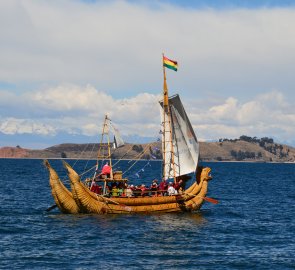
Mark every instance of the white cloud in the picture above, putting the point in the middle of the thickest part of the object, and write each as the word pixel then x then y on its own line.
pixel 79 60
pixel 224 111
pixel 77 110
pixel 24 126
pixel 117 45
pixel 81 111
pixel 68 97
pixel 268 114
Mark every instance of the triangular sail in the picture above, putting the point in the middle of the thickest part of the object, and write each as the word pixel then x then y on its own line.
pixel 118 141
pixel 185 152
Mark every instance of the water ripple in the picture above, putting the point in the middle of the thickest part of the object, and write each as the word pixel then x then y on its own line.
pixel 253 227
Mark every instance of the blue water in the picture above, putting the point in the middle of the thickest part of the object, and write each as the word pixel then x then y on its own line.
pixel 253 226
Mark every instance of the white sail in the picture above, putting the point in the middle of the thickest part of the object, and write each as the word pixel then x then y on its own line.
pixel 118 141
pixel 166 146
pixel 184 141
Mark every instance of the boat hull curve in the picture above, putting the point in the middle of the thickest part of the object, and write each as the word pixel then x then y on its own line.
pixel 91 203
pixel 61 195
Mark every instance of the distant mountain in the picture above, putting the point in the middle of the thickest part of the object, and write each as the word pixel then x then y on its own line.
pixel 243 149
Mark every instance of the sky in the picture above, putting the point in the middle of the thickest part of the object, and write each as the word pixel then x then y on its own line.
pixel 64 64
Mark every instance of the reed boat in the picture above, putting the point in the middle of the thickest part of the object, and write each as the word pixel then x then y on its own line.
pixel 180 158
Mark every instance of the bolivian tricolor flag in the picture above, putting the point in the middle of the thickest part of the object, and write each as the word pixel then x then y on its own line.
pixel 170 63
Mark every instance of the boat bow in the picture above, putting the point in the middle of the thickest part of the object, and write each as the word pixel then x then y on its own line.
pixel 61 195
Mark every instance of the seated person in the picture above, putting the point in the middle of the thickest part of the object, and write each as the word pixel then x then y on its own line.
pixel 180 191
pixel 106 171
pixel 95 188
pixel 171 190
pixel 163 186
pixel 120 190
pixel 178 184
pixel 115 191
pixel 154 189
pixel 143 190
pixel 129 192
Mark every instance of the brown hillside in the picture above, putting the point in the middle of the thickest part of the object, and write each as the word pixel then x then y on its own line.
pixel 14 152
pixel 229 150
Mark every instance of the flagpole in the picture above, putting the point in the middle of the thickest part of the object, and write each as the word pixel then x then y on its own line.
pixel 165 104
pixel 166 110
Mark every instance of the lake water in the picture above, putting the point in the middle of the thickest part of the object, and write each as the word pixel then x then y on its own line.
pixel 253 226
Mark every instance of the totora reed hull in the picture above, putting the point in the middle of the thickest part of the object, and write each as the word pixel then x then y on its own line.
pixel 62 196
pixel 82 200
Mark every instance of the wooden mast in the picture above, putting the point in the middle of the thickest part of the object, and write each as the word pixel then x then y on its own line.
pixel 101 150
pixel 166 111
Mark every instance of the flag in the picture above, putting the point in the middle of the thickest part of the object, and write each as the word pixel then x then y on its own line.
pixel 170 63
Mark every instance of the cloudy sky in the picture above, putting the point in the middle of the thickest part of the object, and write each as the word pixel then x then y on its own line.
pixel 66 63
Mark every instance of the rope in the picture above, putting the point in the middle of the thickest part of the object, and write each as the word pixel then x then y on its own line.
pixel 80 155
pixel 87 170
pixel 123 155
pixel 140 155
pixel 65 178
pixel 90 156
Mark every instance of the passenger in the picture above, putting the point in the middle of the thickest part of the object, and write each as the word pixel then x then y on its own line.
pixel 94 187
pixel 178 184
pixel 106 171
pixel 129 192
pixel 143 190
pixel 100 189
pixel 154 189
pixel 163 187
pixel 125 186
pixel 120 190
pixel 115 191
pixel 155 181
pixel 171 190
pixel 137 191
pixel 180 191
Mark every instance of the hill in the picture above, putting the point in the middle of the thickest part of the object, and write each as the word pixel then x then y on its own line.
pixel 243 149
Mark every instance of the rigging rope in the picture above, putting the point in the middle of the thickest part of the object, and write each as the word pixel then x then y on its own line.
pixel 89 156
pixel 79 158
pixel 80 155
pixel 130 148
pixel 87 170
pixel 140 155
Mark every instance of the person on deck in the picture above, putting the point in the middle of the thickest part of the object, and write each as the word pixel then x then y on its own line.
pixel 178 185
pixel 180 191
pixel 120 190
pixel 95 188
pixel 143 190
pixel 154 189
pixel 171 190
pixel 129 192
pixel 115 191
pixel 163 187
pixel 106 170
pixel 135 191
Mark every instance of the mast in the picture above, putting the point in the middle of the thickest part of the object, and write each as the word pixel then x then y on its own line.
pixel 104 150
pixel 167 137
